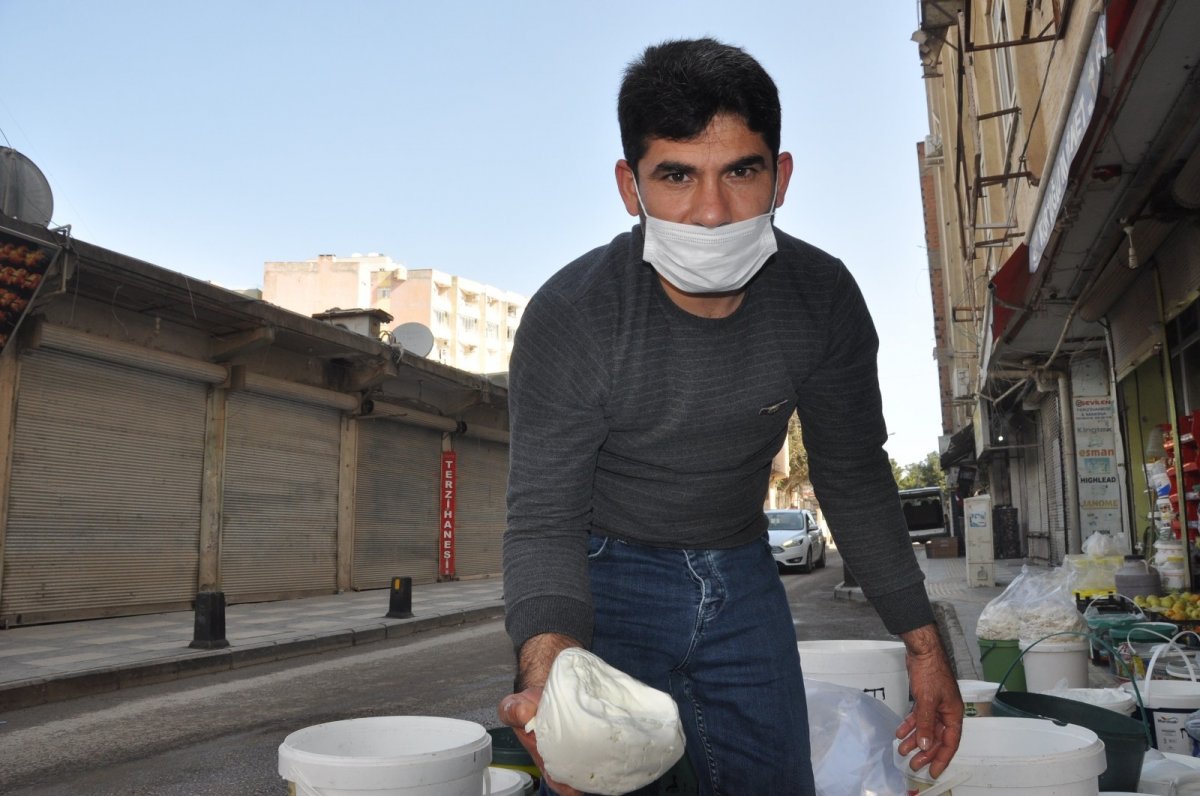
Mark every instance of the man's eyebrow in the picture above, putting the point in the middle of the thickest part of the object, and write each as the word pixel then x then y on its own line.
pixel 673 167
pixel 678 167
pixel 746 162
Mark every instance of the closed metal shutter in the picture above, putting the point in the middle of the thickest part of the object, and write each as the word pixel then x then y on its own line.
pixel 396 504
pixel 280 510
pixel 1179 270
pixel 1132 320
pixel 104 507
pixel 482 513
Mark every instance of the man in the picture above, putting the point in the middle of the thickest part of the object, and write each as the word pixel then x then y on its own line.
pixel 650 388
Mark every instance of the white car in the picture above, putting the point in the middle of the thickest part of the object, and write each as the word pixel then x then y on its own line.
pixel 796 539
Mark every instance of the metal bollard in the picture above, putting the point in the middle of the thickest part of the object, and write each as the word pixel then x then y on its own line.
pixel 209 632
pixel 400 599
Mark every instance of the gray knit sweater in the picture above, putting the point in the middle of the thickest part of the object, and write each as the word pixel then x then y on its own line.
pixel 634 419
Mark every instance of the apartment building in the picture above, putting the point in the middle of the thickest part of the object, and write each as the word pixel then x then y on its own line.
pixel 1061 187
pixel 472 324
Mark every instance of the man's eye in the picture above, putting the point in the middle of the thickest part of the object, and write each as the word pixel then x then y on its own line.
pixel 743 172
pixel 675 176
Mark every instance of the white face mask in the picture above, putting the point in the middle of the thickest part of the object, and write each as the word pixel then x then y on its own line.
pixel 697 259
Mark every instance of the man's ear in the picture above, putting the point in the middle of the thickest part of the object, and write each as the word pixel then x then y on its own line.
pixel 783 176
pixel 626 184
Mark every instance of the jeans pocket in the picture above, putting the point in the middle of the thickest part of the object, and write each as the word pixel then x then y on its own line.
pixel 598 547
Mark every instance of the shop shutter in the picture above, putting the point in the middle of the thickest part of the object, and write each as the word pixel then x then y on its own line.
pixel 1179 270
pixel 482 512
pixel 104 504
pixel 1132 321
pixel 396 503
pixel 280 511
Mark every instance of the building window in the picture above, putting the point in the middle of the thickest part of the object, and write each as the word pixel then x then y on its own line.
pixel 442 317
pixel 384 292
pixel 493 331
pixel 469 324
pixel 1006 84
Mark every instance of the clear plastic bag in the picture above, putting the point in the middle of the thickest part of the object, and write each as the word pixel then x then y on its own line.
pixel 1037 603
pixel 1000 619
pixel 1049 607
pixel 1101 545
pixel 851 735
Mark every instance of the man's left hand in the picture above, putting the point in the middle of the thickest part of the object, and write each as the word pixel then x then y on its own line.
pixel 934 727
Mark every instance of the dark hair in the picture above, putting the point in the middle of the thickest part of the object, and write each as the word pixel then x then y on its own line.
pixel 676 88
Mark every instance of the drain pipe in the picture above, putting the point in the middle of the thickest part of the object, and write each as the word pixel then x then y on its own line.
pixel 1070 473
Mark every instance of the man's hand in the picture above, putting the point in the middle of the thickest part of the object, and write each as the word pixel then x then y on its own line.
pixel 516 710
pixel 935 724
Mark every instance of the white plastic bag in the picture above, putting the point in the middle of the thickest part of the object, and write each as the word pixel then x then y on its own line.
pixel 851 735
pixel 1101 545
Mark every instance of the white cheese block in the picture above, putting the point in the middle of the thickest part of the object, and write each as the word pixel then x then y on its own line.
pixel 602 731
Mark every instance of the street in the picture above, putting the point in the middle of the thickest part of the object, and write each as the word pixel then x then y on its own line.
pixel 219 734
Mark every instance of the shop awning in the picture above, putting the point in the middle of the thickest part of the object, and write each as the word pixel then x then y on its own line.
pixel 961 447
pixel 1009 287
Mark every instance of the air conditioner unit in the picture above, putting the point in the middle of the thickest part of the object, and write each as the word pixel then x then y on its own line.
pixel 962 382
pixel 933 147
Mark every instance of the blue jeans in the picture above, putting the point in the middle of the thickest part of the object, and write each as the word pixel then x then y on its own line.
pixel 713 629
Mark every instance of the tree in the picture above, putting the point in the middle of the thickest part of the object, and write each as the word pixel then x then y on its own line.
pixel 797 460
pixel 927 472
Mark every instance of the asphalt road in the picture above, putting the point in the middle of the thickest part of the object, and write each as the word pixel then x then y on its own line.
pixel 218 735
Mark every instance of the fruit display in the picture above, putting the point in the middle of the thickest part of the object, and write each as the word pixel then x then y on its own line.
pixel 1176 606
pixel 22 267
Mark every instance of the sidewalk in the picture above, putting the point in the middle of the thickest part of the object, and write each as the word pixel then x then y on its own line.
pixel 47 663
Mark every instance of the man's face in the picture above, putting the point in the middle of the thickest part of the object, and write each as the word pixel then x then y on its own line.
pixel 721 176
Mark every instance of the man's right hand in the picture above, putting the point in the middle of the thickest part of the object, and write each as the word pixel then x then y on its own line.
pixel 516 710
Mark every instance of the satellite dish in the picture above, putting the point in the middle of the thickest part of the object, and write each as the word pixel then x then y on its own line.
pixel 414 337
pixel 24 192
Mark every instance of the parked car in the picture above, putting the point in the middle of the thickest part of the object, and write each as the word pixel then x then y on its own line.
pixel 796 539
pixel 924 512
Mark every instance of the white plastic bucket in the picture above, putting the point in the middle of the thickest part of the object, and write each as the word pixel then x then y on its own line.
pixel 875 667
pixel 1055 664
pixel 508 782
pixel 1168 703
pixel 977 696
pixel 387 756
pixel 1015 757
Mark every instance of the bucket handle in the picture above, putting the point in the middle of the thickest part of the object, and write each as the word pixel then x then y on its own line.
pixel 1133 604
pixel 1182 652
pixel 1137 694
pixel 941 785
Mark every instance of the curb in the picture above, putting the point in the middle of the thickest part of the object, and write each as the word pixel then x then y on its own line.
pixel 954 641
pixel 44 690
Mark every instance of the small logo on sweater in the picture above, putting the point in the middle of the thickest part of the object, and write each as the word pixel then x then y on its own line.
pixel 771 409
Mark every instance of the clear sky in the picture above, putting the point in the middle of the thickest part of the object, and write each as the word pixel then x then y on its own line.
pixel 477 138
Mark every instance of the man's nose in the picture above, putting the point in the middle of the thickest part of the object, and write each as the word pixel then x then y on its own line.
pixel 710 206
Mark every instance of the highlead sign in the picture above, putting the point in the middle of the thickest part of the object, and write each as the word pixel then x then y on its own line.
pixel 1078 121
pixel 446 493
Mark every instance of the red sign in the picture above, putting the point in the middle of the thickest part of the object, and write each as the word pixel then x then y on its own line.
pixel 446 491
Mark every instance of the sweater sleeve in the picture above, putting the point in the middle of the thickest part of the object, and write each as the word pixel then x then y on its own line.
pixel 557 424
pixel 841 413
